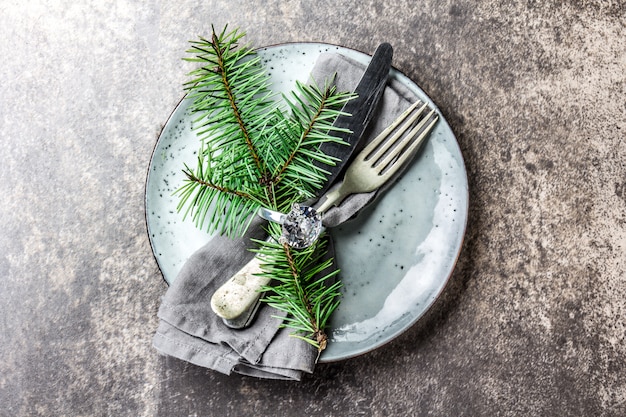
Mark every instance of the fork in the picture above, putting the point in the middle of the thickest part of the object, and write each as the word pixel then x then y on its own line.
pixel 238 299
pixel 384 155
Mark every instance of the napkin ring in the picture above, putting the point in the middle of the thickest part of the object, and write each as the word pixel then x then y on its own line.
pixel 301 227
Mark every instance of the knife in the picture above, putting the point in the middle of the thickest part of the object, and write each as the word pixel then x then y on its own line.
pixel 359 112
pixel 238 299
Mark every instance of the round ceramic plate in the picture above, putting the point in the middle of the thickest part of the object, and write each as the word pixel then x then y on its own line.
pixel 395 257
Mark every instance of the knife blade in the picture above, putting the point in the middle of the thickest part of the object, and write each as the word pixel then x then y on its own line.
pixel 237 300
pixel 359 113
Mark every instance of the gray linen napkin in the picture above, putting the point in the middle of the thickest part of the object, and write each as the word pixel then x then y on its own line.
pixel 189 330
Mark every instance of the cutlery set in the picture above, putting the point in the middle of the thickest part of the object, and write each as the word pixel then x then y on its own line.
pixel 238 299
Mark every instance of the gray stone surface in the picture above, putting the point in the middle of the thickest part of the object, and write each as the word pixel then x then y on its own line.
pixel 533 320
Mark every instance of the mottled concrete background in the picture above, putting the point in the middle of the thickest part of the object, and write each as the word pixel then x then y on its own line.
pixel 533 320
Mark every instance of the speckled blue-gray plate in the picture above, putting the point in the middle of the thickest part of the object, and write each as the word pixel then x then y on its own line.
pixel 395 257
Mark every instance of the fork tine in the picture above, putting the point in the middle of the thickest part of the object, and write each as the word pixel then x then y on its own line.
pixel 383 137
pixel 401 153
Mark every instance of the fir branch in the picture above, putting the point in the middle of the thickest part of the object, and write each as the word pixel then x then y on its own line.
pixel 191 177
pixel 250 148
pixel 256 151
pixel 222 61
pixel 227 211
pixel 231 96
pixel 293 150
pixel 303 287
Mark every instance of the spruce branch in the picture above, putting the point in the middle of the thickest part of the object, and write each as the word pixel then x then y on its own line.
pixel 232 97
pixel 293 148
pixel 253 153
pixel 305 287
pixel 256 150
pixel 222 60
pixel 315 117
pixel 232 101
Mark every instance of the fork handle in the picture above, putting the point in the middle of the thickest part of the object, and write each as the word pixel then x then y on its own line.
pixel 333 198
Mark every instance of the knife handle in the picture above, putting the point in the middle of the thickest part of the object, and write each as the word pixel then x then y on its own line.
pixel 238 296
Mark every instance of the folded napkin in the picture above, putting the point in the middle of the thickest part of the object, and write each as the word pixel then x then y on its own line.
pixel 188 328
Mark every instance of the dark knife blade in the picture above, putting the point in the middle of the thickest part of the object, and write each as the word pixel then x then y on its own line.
pixel 360 110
